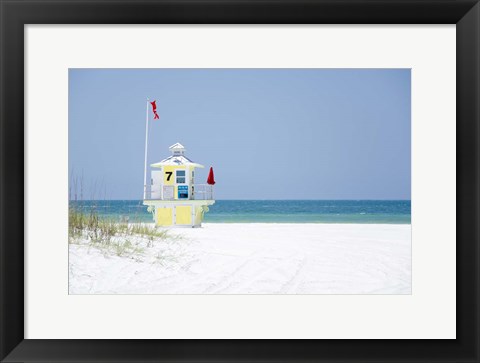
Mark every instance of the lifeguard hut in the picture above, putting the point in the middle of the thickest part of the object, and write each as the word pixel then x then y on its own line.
pixel 174 199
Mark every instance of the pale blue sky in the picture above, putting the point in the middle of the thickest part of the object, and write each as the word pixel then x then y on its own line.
pixel 268 133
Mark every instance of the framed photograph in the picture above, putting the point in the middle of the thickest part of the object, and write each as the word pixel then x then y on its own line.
pixel 301 211
pixel 240 181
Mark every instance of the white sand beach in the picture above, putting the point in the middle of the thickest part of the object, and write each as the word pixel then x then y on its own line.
pixel 254 258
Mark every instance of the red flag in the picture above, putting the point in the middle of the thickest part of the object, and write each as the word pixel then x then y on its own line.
pixel 211 178
pixel 154 109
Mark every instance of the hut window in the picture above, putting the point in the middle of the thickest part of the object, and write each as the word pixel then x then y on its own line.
pixel 180 176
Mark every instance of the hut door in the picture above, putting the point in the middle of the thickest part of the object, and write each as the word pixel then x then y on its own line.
pixel 156 184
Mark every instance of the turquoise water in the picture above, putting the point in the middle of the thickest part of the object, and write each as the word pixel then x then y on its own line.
pixel 271 211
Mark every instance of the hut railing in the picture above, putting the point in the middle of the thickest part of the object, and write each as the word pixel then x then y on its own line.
pixel 197 192
pixel 202 192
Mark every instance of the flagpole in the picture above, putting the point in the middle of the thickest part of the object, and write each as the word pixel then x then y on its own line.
pixel 146 148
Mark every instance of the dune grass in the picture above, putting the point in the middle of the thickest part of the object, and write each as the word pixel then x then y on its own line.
pixel 113 237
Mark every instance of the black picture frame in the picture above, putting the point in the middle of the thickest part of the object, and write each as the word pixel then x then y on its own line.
pixel 17 13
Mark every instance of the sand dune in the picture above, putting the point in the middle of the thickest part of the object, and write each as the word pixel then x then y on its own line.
pixel 255 259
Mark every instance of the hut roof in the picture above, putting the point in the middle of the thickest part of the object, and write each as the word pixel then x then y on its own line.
pixel 176 160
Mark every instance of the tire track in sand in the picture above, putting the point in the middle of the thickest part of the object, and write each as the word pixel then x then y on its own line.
pixel 296 279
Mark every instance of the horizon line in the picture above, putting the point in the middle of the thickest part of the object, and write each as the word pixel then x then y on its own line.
pixel 342 199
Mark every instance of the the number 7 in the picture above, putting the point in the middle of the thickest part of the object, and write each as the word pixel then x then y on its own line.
pixel 169 175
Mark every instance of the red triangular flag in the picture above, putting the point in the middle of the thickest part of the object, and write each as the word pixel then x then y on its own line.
pixel 154 109
pixel 211 178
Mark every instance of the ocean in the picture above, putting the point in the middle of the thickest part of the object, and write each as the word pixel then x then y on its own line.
pixel 270 211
